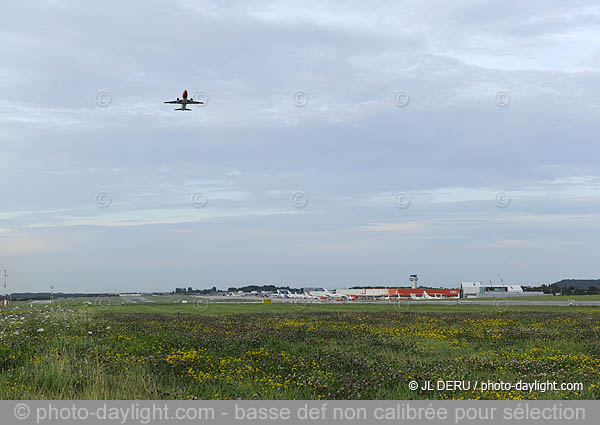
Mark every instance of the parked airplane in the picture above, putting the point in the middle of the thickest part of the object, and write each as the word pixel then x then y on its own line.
pixel 326 295
pixel 184 101
pixel 345 297
pixel 435 296
pixel 280 294
pixel 295 295
pixel 426 296
pixel 321 295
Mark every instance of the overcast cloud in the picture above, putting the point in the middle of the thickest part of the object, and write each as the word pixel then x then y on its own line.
pixel 456 140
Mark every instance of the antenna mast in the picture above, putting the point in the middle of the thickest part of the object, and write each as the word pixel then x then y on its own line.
pixel 5 301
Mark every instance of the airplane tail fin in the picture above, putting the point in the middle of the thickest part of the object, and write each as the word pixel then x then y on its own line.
pixel 181 109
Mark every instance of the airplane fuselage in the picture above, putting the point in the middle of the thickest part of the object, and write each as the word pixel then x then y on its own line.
pixel 184 101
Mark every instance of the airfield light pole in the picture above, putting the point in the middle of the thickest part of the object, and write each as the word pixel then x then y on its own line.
pixel 51 291
pixel 5 276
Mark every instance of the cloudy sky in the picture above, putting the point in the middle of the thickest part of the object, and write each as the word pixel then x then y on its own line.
pixel 340 143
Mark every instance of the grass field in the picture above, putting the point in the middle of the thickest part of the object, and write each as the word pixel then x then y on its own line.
pixel 551 298
pixel 292 351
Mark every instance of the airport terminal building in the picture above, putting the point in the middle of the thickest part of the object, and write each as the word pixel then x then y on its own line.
pixel 483 290
pixel 400 292
pixel 475 289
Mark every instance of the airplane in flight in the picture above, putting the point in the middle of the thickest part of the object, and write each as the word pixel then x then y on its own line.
pixel 184 101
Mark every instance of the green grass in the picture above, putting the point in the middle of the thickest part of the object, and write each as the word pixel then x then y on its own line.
pixel 227 308
pixel 557 298
pixel 303 351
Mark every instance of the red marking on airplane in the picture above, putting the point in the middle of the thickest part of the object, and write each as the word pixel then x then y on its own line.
pixel 185 94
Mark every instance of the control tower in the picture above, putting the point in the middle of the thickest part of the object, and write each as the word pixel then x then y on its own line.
pixel 413 281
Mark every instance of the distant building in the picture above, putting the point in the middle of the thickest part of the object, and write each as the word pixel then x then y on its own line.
pixel 413 278
pixel 313 290
pixel 482 290
pixel 400 292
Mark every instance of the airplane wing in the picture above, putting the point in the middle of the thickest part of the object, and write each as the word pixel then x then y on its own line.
pixel 195 102
pixel 174 101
